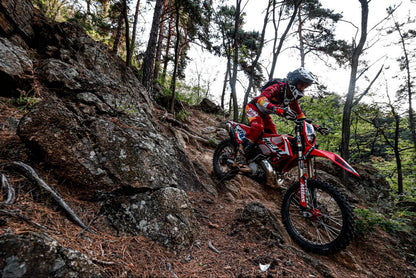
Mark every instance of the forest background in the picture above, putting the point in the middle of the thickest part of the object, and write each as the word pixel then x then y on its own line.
pixel 363 58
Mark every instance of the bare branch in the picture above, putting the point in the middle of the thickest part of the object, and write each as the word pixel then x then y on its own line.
pixel 385 18
pixel 368 88
pixel 29 173
pixel 353 25
pixel 367 68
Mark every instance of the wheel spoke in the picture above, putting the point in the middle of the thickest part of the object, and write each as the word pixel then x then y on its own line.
pixel 323 230
pixel 337 220
pixel 331 231
pixel 326 226
pixel 320 238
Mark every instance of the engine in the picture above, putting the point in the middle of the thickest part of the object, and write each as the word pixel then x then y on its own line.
pixel 263 170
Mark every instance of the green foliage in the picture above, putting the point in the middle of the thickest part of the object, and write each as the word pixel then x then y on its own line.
pixel 56 10
pixel 182 114
pixel 324 111
pixel 191 95
pixel 367 143
pixel 98 17
pixel 246 42
pixel 101 22
pixel 367 220
pixel 372 125
pixel 388 169
pixel 318 29
pixel 25 101
pixel 213 142
pixel 129 109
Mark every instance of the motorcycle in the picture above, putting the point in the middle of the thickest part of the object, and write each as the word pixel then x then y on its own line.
pixel 316 216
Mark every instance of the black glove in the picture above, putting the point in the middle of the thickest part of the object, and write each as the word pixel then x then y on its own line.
pixel 323 130
pixel 289 114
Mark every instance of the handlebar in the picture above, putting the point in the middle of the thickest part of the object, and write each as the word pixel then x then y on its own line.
pixel 299 121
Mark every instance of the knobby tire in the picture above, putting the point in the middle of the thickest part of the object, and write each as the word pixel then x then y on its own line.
pixel 326 234
pixel 222 169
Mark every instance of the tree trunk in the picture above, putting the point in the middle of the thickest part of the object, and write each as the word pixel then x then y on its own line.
pixel 397 155
pixel 148 60
pixel 224 87
pixel 276 51
pixel 411 114
pixel 118 34
pixel 233 79
pixel 127 31
pixel 408 84
pixel 395 148
pixel 256 60
pixel 133 36
pixel 160 43
pixel 175 66
pixel 168 41
pixel 345 141
pixel 88 2
pixel 301 42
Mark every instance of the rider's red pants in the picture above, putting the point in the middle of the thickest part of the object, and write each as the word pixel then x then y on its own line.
pixel 258 123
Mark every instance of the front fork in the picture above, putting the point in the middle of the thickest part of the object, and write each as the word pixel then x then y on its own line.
pixel 306 170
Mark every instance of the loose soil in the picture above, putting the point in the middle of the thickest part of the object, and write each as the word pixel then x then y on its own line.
pixel 225 247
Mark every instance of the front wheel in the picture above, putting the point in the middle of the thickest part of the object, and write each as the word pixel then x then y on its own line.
pixel 223 160
pixel 326 226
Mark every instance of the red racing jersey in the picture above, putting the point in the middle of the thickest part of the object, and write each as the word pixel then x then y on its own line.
pixel 273 99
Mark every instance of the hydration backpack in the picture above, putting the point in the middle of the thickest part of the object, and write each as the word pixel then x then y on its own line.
pixel 271 82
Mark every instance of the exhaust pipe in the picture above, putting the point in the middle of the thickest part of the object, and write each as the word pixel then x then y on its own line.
pixel 271 177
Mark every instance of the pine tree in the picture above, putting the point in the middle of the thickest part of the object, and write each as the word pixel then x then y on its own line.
pixel 316 33
pixel 192 18
pixel 357 51
pixel 290 7
pixel 407 38
pixel 148 60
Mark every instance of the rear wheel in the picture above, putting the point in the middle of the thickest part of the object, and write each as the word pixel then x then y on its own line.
pixel 326 227
pixel 223 160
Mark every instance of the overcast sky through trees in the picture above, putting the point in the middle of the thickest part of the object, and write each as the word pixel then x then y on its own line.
pixel 335 78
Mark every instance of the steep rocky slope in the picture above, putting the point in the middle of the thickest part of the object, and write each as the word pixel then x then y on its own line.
pixel 238 229
pixel 139 179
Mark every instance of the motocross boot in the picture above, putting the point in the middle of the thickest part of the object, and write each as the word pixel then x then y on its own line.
pixel 244 151
pixel 240 160
pixel 248 148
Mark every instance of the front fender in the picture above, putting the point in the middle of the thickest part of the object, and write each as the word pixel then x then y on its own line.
pixel 336 159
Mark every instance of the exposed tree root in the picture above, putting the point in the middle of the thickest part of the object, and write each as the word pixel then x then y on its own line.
pixel 213 248
pixel 11 195
pixel 29 173
pixel 22 217
pixel 185 129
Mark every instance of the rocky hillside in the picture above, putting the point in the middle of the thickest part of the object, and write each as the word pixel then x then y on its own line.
pixel 98 180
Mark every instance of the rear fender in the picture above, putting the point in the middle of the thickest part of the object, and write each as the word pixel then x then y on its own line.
pixel 338 160
pixel 237 131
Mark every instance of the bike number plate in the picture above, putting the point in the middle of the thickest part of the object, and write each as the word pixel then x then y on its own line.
pixel 241 134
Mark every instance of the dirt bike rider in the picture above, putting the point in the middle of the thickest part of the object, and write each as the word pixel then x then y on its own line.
pixel 280 98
